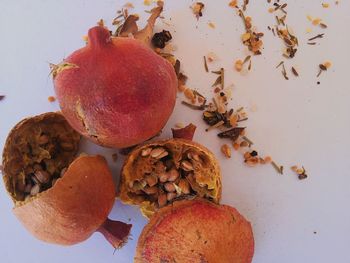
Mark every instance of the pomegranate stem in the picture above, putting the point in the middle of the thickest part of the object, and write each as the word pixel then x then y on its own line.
pixel 115 232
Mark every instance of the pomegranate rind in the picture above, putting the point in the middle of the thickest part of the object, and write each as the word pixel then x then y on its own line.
pixel 75 207
pixel 196 231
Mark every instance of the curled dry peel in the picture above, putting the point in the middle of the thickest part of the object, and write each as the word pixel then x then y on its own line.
pixel 158 173
pixel 58 198
pixel 196 231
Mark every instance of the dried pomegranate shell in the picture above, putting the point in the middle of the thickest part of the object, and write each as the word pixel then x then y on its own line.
pixel 176 168
pixel 196 231
pixel 64 209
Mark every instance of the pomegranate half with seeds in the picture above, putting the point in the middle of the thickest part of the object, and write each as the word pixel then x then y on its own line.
pixel 58 197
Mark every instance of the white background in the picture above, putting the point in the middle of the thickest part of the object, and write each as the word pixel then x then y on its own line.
pixel 295 121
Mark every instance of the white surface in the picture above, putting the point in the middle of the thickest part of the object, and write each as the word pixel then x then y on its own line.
pixel 297 121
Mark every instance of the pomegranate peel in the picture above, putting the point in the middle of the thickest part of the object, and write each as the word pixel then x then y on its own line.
pixel 198 231
pixel 185 132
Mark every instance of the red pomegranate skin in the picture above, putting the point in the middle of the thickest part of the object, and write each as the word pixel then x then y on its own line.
pixel 119 92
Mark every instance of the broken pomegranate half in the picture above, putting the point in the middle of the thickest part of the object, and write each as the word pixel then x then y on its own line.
pixel 158 173
pixel 59 198
pixel 196 231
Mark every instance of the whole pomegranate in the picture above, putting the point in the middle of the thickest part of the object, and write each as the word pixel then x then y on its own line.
pixel 116 91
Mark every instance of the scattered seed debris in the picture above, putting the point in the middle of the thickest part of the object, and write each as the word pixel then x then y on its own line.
pixel 294 71
pixel 205 64
pixel 160 39
pixel 301 172
pixel 197 9
pixel 316 37
pixel 211 25
pixel 226 150
pixel 250 38
pixel 278 168
pixel 51 99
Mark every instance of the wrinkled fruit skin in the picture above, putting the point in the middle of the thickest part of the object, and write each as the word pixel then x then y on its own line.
pixel 75 207
pixel 196 231
pixel 119 92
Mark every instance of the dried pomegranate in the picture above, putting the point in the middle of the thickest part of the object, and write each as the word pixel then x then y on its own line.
pixel 117 91
pixel 196 231
pixel 58 198
pixel 158 173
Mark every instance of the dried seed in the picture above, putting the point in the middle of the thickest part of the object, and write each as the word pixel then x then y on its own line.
pixel 163 177
pixel 238 65
pixel 169 187
pixel 51 99
pixel 162 155
pixel 66 146
pixel 162 200
pixel 253 161
pixel 173 174
pixel 189 94
pixel 327 64
pixel 150 190
pixel 184 186
pixel 187 166
pixel 139 185
pixel 236 146
pixel 28 188
pixel 151 180
pixel 193 156
pixel 43 139
pixel 245 36
pixel 42 176
pixel 170 196
pixel 323 25
pixel 37 167
pixel 35 180
pixel 225 149
pixel 146 152
pixel 35 189
pixel 244 144
pixel 157 151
